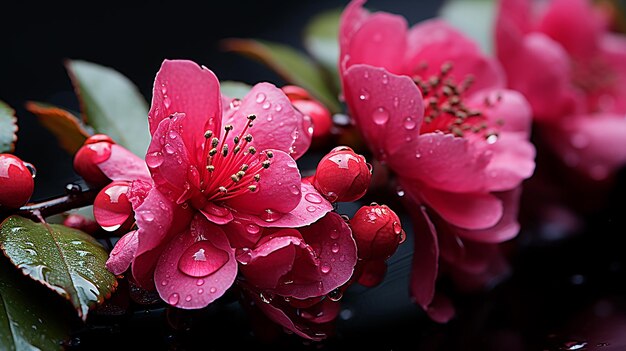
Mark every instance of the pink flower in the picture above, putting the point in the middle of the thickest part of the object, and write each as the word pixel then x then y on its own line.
pixel 434 110
pixel 222 170
pixel 572 70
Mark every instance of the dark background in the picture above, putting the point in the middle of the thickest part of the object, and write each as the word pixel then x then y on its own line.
pixel 565 289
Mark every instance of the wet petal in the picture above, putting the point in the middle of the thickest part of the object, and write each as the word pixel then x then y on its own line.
pixel 124 165
pixel 425 265
pixel 380 103
pixel 440 309
pixel 192 280
pixel 123 253
pixel 352 18
pixel 182 86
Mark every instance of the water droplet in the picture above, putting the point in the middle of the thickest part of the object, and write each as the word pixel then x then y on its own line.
pixel 147 216
pixel 364 95
pixel 270 215
pixel 199 282
pixel 278 108
pixel 163 89
pixel 396 101
pixel 334 248
pixel 342 258
pixel 401 237
pixel 202 259
pixel 397 228
pixel 335 295
pixel 334 234
pixel 409 123
pixel 235 103
pixel 266 105
pixel 252 228
pixel 169 149
pixel 380 116
pixel 212 290
pixel 243 255
pixel 154 159
pixel 385 79
pixel 111 228
pixel 266 297
pixel 173 299
pixel 400 192
pixel 166 101
pixel 260 97
pixel 311 208
pixel 172 134
pixel 574 345
pixel 295 189
pixel 200 291
pixel 313 198
pixel 188 298
pixel 492 138
pixel 325 268
pixel 418 155
pixel 366 75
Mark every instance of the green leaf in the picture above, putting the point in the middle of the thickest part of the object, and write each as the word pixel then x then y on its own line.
pixel 8 128
pixel 321 39
pixel 63 124
pixel 111 104
pixel 28 318
pixel 292 65
pixel 474 18
pixel 234 89
pixel 66 260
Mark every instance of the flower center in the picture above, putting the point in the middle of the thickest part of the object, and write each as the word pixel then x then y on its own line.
pixel 444 108
pixel 231 168
pixel 596 79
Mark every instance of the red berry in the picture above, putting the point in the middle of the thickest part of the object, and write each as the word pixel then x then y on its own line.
pixel 16 182
pixel 111 208
pixel 95 150
pixel 377 231
pixel 305 103
pixel 81 223
pixel 342 175
pixel 295 92
pixel 373 273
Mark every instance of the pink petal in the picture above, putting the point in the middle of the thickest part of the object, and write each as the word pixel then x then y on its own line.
pixel 184 87
pixel 243 233
pixel 465 210
pixel 443 161
pixel 613 53
pixel 513 161
pixel 388 109
pixel 595 144
pixel 380 41
pixel 278 190
pixel 574 24
pixel 183 285
pixel 434 42
pixel 124 165
pixel 352 18
pixel 217 214
pixel 123 253
pixel 425 264
pixel 312 206
pixel 540 69
pixel 507 228
pixel 156 226
pixel 277 124
pixel 513 21
pixel 168 156
pixel 331 240
pixel 440 309
pixel 508 109
pixel 267 263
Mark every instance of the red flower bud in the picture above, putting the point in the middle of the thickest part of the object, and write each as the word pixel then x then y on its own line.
pixel 111 208
pixel 342 175
pixel 377 231
pixel 16 181
pixel 320 116
pixel 95 150
pixel 372 273
pixel 81 223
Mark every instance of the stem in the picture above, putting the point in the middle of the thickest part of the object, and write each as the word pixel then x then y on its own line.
pixel 53 206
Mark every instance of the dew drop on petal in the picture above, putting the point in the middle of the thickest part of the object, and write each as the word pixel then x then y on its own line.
pixel 380 116
pixel 334 248
pixel 295 190
pixel 278 108
pixel 244 255
pixel 492 138
pixel 418 155
pixel 173 299
pixel 212 290
pixel 154 159
pixel 266 105
pixel 334 234
pixel 385 79
pixel 252 228
pixel 311 208
pixel 163 89
pixel 260 97
pixel 200 291
pixel 147 216
pixel 202 259
pixel 270 215
pixel 397 228
pixel 396 101
pixel 166 101
pixel 188 298
pixel 235 103
pixel 169 149
pixel 164 283
pixel 325 268
pixel 409 123
pixel 199 282
pixel 364 95
pixel 172 134
pixel 335 295
pixel 313 198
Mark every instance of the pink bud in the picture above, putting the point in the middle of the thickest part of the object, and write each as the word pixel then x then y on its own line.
pixel 95 150
pixel 377 231
pixel 16 181
pixel 342 175
pixel 112 209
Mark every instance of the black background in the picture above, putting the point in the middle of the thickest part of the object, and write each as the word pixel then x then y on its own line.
pixel 564 288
